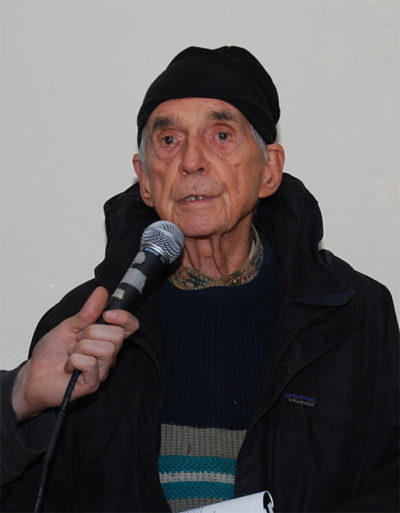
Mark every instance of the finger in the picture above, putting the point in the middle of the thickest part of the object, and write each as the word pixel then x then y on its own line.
pixel 105 332
pixel 99 352
pixel 126 320
pixel 89 378
pixel 104 352
pixel 91 310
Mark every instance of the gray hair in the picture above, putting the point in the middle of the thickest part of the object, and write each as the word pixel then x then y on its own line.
pixel 144 141
pixel 260 142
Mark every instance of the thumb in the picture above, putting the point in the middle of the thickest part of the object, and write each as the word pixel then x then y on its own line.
pixel 91 310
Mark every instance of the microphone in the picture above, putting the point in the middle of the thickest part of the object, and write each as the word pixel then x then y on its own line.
pixel 160 245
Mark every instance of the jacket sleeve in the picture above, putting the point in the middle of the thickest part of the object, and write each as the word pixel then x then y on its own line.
pixel 378 475
pixel 21 443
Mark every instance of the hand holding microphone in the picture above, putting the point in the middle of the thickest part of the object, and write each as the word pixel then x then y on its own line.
pixel 87 344
pixel 76 343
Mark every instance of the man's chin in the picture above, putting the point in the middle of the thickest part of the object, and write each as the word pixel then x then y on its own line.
pixel 193 227
pixel 198 232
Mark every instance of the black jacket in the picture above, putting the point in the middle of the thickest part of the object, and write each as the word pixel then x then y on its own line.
pixel 324 437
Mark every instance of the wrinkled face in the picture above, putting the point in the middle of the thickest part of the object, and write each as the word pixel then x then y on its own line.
pixel 204 170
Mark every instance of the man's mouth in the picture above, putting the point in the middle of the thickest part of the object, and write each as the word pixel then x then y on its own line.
pixel 195 197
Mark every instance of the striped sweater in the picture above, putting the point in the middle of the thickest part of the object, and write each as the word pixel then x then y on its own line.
pixel 216 348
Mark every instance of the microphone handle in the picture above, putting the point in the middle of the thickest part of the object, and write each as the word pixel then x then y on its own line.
pixel 144 269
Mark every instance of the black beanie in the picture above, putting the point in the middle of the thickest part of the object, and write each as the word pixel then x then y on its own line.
pixel 229 73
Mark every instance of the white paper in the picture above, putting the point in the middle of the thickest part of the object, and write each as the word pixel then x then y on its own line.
pixel 249 503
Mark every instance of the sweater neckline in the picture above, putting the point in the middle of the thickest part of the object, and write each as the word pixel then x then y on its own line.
pixel 185 278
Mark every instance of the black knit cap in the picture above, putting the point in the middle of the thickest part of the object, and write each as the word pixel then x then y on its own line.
pixel 229 73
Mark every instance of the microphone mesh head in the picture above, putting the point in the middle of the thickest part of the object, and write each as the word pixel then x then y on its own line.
pixel 163 238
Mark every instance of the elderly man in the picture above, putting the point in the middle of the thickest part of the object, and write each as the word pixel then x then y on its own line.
pixel 260 363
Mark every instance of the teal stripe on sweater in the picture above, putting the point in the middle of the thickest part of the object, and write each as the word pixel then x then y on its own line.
pixel 176 463
pixel 191 490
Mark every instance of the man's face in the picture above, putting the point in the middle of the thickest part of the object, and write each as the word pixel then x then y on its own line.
pixel 204 170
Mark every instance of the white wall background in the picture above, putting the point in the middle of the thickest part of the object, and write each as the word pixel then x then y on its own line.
pixel 73 77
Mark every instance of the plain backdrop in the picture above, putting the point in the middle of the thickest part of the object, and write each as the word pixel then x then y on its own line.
pixel 73 75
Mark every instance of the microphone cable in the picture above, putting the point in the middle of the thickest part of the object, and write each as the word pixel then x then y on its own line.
pixel 53 440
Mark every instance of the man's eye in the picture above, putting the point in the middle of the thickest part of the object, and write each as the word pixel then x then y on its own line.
pixel 222 136
pixel 168 140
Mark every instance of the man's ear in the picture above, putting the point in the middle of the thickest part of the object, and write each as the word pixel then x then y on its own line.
pixel 144 182
pixel 273 170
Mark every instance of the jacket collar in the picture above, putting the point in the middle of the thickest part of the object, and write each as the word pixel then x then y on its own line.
pixel 292 221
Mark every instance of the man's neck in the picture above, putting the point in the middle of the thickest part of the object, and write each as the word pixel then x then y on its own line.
pixel 217 256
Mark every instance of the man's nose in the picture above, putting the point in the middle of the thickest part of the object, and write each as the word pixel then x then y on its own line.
pixel 193 158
